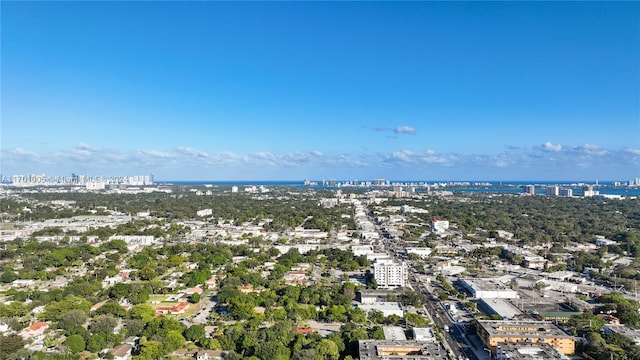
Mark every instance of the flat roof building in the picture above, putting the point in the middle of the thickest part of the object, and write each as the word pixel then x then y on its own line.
pixel 394 333
pixel 387 308
pixel 488 289
pixel 499 307
pixel 493 332
pixel 508 351
pixel 369 296
pixel 390 274
pixel 423 334
pixel 405 350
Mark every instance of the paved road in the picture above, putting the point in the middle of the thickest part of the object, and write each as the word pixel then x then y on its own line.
pixel 455 339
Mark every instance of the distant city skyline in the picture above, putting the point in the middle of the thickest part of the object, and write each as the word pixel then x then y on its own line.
pixel 322 90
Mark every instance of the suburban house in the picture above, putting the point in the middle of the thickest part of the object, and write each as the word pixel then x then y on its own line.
pixel 35 330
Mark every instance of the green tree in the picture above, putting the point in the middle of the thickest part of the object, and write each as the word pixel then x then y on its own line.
pixel 195 333
pixel 376 316
pixel 376 333
pixel 120 291
pixel 304 354
pixel 54 311
pixel 326 350
pixel 134 327
pixel 173 341
pixel 13 309
pixel 113 308
pixel 272 351
pixel 358 315
pixel 8 276
pixel 75 343
pixel 144 312
pixel 10 344
pixel 139 295
pixel 336 313
pixel 103 324
pixel 150 350
pixel 159 327
pixel 195 298
pixel 241 307
pixel 96 343
pixel 72 318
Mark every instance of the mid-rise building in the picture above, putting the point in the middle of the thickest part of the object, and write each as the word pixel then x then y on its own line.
pixel 493 333
pixel 553 190
pixel 587 191
pixel 390 274
pixel 530 190
pixel 566 192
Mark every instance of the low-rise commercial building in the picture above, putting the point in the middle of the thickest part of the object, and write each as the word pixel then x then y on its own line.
pixel 387 308
pixel 499 307
pixel 424 334
pixel 394 333
pixel 405 350
pixel 507 351
pixel 493 332
pixel 488 289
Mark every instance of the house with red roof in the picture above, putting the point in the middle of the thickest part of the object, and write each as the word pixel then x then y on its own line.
pixel 36 330
pixel 211 283
pixel 194 290
pixel 178 309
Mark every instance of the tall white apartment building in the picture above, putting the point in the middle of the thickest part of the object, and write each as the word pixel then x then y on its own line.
pixel 390 274
pixel 566 192
pixel 587 191
pixel 553 190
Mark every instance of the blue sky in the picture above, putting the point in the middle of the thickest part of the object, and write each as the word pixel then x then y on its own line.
pixel 321 90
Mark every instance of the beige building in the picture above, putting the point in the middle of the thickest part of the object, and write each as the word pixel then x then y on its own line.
pixel 493 332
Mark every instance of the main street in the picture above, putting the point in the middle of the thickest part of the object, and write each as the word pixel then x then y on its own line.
pixel 454 339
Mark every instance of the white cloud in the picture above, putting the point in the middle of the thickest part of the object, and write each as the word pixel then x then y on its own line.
pixel 404 155
pixel 405 130
pixel 589 149
pixel 22 152
pixel 398 129
pixel 193 152
pixel 552 147
pixel 86 158
pixel 157 154
pixel 85 147
pixel 411 157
